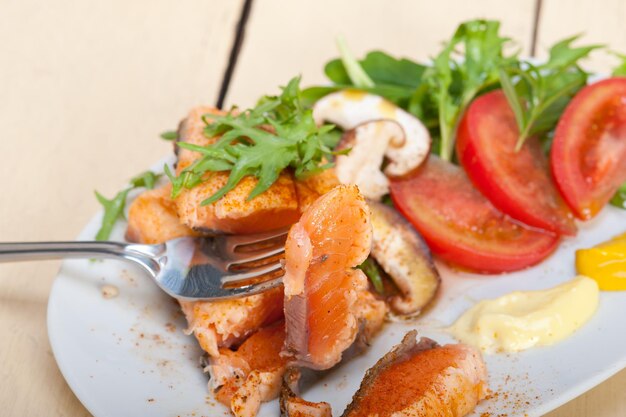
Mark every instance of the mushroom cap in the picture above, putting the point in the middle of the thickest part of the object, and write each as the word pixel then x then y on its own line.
pixel 349 108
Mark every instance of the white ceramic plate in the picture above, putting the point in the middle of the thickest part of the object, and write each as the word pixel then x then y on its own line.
pixel 128 356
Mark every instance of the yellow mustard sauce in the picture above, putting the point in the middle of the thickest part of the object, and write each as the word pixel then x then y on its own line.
pixel 606 263
pixel 524 319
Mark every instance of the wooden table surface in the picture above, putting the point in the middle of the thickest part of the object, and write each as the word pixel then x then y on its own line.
pixel 86 87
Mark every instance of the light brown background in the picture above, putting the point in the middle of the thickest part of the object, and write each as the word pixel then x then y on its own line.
pixel 86 86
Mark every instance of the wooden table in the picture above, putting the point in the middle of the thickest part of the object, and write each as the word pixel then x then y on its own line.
pixel 86 87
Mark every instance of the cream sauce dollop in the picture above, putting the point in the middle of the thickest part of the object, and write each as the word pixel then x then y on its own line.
pixel 524 319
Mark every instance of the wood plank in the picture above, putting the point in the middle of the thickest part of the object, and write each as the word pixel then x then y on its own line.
pixel 599 22
pixel 605 400
pixel 86 88
pixel 288 38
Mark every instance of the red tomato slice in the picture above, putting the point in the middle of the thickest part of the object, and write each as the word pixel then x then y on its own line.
pixel 588 156
pixel 463 227
pixel 517 183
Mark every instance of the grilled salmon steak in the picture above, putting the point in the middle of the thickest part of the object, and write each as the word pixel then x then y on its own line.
pixel 152 218
pixel 279 206
pixel 325 297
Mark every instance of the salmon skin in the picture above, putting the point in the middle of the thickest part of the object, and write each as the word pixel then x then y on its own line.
pixel 325 297
pixel 422 379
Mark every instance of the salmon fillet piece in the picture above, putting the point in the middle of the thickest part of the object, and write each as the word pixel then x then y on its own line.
pixel 226 323
pixel 324 299
pixel 422 379
pixel 252 374
pixel 191 130
pixel 234 213
pixel 152 218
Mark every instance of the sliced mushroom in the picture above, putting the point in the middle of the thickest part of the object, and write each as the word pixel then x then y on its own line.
pixel 369 143
pixel 349 108
pixel 403 255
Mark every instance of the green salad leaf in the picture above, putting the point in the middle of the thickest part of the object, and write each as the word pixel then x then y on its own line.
pixel 380 68
pixel 619 199
pixel 276 134
pixel 620 69
pixel 393 79
pixel 538 94
pixel 374 272
pixel 114 208
pixel 457 77
pixel 169 135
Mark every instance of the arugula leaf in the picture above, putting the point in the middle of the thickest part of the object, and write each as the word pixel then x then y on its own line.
pixel 114 208
pixel 276 134
pixel 169 135
pixel 146 179
pixel 373 271
pixel 456 78
pixel 619 199
pixel 538 94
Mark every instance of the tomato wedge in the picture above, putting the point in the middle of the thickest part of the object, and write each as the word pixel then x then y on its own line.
pixel 517 183
pixel 461 226
pixel 588 157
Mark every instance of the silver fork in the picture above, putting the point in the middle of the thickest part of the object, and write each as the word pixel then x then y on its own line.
pixel 188 268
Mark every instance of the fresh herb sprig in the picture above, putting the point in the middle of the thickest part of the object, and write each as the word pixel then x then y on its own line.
pixel 278 133
pixel 457 77
pixel 114 208
pixel 374 272
pixel 170 135
pixel 619 199
pixel 620 69
pixel 538 94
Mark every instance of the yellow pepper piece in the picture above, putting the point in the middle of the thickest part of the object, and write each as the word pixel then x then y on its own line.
pixel 605 263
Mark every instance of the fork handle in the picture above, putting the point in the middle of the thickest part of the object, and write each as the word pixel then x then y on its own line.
pixel 32 251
